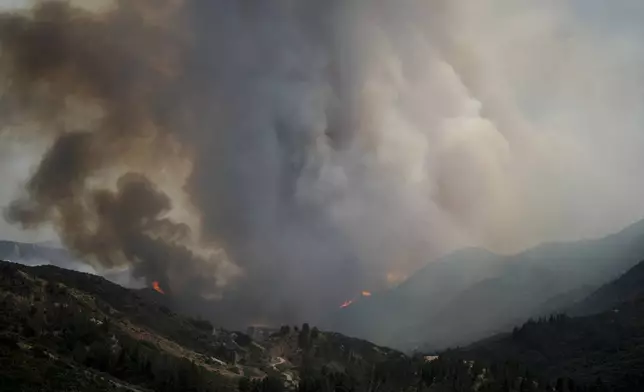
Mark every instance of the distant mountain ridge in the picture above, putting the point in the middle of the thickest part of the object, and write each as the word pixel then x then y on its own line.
pixel 41 252
pixel 50 253
pixel 473 293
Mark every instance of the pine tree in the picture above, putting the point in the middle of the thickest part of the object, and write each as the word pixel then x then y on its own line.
pixel 304 338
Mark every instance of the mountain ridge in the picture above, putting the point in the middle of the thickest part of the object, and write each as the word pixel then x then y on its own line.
pixel 475 281
pixel 602 340
pixel 627 288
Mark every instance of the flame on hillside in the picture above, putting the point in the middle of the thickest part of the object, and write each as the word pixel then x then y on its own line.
pixel 351 301
pixel 157 287
pixel 346 304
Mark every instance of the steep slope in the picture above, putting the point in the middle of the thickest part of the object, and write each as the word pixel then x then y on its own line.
pixel 608 344
pixel 65 330
pixel 627 288
pixel 386 316
pixel 97 330
pixel 473 293
pixel 563 302
pixel 490 306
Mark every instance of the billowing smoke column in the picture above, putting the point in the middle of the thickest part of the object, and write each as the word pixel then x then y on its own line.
pixel 101 87
pixel 108 90
pixel 281 156
pixel 232 101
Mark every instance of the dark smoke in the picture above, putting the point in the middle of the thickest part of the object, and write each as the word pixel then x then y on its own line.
pixel 122 63
pixel 149 83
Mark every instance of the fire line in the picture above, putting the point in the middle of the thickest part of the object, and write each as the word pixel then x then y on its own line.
pixel 157 287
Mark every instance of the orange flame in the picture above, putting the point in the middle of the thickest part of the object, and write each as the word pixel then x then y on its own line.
pixel 351 301
pixel 346 303
pixel 157 287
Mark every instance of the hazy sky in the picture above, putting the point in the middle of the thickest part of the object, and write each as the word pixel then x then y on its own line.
pixel 8 4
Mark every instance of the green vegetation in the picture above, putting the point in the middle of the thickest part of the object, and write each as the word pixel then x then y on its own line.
pixel 66 331
pixel 53 335
pixel 607 347
pixel 601 349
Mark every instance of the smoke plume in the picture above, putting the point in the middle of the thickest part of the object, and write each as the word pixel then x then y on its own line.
pixel 284 155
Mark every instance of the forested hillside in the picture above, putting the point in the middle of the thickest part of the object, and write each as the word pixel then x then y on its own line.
pixel 606 346
pixel 62 330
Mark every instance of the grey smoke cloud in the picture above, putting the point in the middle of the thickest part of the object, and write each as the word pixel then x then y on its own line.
pixel 285 155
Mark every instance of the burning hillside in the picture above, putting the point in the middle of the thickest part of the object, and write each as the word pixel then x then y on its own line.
pixel 350 302
pixel 346 304
pixel 157 287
